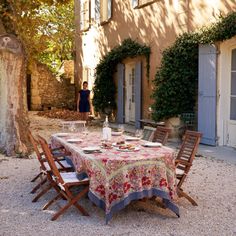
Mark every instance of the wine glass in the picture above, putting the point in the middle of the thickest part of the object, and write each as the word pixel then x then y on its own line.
pixel 120 128
pixel 85 130
pixel 72 128
pixel 139 133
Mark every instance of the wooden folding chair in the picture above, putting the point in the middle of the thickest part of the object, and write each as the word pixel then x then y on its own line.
pixel 58 152
pixel 64 181
pixel 45 171
pixel 148 133
pixel 184 161
pixel 161 134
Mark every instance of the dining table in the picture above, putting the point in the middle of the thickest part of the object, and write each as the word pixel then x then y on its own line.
pixel 119 176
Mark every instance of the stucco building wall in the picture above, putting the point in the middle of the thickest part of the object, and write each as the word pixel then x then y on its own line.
pixel 156 25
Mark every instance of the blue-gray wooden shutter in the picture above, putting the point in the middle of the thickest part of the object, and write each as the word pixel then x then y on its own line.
pixel 138 94
pixel 109 9
pixel 134 3
pixel 120 97
pixel 207 93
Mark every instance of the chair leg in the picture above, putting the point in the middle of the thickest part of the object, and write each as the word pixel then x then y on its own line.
pixel 72 202
pixel 58 196
pixel 181 193
pixel 36 177
pixel 42 193
pixel 85 213
pixel 39 185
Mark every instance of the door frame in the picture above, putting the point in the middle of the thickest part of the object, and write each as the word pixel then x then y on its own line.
pixel 224 90
pixel 230 122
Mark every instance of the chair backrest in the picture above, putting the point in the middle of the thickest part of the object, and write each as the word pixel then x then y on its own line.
pixel 51 162
pixel 161 134
pixel 148 133
pixel 35 144
pixel 186 154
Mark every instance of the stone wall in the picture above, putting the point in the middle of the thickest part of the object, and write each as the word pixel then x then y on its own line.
pixel 48 91
pixel 67 70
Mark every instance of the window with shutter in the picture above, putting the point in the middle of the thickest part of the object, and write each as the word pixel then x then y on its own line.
pixel 105 10
pixel 84 15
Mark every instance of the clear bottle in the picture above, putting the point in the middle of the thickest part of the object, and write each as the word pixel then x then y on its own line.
pixel 106 123
pixel 106 130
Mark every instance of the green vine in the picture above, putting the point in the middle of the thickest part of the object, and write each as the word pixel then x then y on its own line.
pixel 104 85
pixel 176 80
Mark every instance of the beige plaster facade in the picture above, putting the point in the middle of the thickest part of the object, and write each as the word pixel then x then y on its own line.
pixel 157 24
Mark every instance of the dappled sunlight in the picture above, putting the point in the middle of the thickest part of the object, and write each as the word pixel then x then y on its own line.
pixel 206 12
pixel 156 25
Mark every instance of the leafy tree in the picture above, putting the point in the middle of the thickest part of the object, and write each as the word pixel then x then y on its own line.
pixel 176 80
pixel 45 27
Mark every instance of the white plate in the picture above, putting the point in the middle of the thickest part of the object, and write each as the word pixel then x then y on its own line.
pixel 130 138
pixel 74 140
pixel 152 144
pixel 62 134
pixel 128 150
pixel 116 133
pixel 91 149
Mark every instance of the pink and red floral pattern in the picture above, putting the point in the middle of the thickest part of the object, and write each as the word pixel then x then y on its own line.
pixel 114 175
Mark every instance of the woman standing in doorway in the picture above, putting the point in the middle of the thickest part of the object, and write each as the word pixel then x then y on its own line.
pixel 83 103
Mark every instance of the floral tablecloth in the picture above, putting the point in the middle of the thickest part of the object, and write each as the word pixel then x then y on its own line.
pixel 117 178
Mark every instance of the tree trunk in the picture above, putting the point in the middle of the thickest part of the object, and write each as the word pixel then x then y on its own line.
pixel 14 121
pixel 78 70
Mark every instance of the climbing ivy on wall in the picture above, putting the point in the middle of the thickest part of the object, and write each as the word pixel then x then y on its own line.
pixel 104 86
pixel 176 80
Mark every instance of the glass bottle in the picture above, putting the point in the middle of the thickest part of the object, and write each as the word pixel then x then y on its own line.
pixel 106 123
pixel 106 130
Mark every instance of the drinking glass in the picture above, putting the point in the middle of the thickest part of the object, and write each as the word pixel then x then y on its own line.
pixel 139 133
pixel 85 131
pixel 72 128
pixel 121 128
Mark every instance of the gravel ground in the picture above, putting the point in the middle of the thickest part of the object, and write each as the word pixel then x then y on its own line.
pixel 212 183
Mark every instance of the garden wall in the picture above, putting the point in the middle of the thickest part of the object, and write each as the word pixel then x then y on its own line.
pixel 47 91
